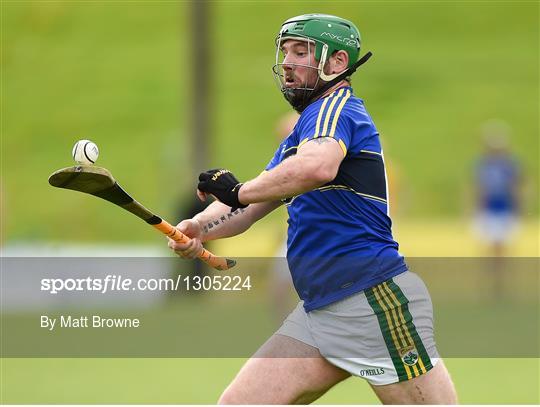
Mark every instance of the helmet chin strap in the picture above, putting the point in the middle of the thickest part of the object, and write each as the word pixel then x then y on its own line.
pixel 320 91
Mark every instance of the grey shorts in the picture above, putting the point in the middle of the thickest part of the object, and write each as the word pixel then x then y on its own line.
pixel 383 334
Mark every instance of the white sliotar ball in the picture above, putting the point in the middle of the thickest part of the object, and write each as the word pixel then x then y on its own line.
pixel 85 152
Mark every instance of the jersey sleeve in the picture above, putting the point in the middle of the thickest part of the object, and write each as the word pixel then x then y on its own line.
pixel 275 160
pixel 328 119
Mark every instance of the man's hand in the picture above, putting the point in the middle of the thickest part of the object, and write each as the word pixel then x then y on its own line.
pixel 192 229
pixel 222 184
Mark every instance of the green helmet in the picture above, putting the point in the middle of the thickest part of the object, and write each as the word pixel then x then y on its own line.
pixel 330 34
pixel 327 34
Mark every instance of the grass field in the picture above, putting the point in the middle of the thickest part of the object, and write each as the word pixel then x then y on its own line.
pixel 200 381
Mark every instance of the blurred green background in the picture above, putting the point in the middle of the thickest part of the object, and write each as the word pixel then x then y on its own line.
pixel 118 73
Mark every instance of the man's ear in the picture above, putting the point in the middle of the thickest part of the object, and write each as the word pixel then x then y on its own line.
pixel 339 62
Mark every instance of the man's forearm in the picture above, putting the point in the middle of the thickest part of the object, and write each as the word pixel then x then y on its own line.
pixel 217 221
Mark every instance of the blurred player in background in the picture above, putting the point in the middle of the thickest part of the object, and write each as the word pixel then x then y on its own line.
pixel 362 312
pixel 497 190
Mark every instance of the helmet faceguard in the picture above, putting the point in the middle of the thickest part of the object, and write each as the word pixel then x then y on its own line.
pixel 297 96
pixel 325 35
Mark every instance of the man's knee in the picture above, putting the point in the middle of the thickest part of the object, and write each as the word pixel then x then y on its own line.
pixel 232 397
pixel 433 387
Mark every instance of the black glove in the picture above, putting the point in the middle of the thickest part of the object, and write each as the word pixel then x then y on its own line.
pixel 223 185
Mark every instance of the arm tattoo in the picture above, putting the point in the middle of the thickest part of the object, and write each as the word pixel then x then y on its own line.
pixel 321 140
pixel 222 219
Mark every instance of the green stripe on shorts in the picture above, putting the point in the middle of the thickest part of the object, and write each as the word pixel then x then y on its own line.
pixel 404 305
pixel 387 335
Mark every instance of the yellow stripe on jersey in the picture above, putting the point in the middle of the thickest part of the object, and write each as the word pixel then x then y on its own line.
pixel 370 152
pixel 329 112
pixel 292 200
pixel 321 110
pixel 293 147
pixel 290 148
pixel 338 111
pixel 333 97
pixel 346 188
pixel 343 147
pixel 303 142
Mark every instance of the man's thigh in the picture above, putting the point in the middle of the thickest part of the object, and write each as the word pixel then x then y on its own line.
pixel 433 387
pixel 283 371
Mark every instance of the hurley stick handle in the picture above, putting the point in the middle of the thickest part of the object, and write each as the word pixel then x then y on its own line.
pixel 219 263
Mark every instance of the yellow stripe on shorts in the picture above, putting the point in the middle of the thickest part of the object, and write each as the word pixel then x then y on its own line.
pixel 407 340
pixel 404 324
pixel 390 323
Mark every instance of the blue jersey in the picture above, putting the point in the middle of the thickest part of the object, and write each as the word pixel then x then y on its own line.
pixel 339 236
pixel 497 177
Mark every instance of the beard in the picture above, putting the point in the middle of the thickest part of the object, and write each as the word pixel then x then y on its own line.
pixel 300 98
pixel 297 98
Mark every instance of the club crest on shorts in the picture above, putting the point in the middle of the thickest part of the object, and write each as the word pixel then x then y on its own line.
pixel 409 355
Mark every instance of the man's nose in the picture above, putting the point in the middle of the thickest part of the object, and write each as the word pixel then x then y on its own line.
pixel 287 64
